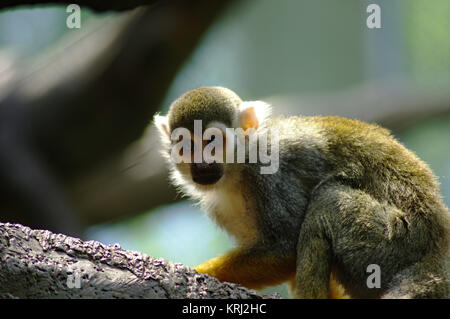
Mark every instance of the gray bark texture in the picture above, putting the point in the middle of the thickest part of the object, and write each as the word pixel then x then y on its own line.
pixel 41 264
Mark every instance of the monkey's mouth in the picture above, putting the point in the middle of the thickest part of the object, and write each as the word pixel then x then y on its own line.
pixel 206 174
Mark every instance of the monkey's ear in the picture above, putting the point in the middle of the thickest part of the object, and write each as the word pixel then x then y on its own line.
pixel 252 114
pixel 162 123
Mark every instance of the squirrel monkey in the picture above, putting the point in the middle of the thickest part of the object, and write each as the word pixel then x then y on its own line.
pixel 345 195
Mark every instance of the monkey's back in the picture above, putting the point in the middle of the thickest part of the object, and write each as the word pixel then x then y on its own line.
pixel 364 154
pixel 367 157
pixel 374 161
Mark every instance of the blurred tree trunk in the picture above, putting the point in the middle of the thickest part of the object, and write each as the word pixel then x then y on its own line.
pixel 98 5
pixel 88 100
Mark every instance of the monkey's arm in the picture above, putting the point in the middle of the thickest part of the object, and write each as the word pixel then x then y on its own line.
pixel 252 268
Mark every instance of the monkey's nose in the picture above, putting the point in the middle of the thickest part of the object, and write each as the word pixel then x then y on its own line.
pixel 206 173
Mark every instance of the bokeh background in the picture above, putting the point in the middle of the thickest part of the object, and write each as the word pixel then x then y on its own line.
pixel 78 153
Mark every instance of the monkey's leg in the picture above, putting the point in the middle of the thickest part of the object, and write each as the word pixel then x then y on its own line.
pixel 347 229
pixel 252 268
pixel 335 226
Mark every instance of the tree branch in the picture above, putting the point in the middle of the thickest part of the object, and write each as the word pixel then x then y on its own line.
pixel 40 264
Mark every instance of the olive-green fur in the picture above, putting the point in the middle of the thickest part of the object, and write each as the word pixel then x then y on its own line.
pixel 207 104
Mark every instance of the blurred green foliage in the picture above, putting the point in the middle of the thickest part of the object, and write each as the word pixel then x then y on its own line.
pixel 428 38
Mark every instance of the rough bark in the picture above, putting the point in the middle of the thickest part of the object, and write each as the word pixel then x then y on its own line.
pixel 40 264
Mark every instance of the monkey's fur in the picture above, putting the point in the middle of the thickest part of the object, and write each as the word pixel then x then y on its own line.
pixel 346 195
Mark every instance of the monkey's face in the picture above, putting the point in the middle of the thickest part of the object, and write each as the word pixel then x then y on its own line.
pixel 200 133
pixel 203 158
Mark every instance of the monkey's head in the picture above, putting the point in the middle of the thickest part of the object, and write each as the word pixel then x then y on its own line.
pixel 198 133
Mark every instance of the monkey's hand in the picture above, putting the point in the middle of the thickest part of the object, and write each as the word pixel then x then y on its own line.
pixel 252 268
